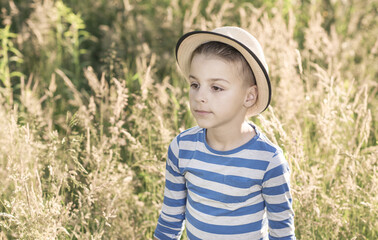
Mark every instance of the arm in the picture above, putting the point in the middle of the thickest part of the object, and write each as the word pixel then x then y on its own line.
pixel 276 193
pixel 170 223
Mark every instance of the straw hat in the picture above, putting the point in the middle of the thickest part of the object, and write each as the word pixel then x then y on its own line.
pixel 242 41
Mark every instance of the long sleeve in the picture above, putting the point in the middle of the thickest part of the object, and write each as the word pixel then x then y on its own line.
pixel 171 221
pixel 278 200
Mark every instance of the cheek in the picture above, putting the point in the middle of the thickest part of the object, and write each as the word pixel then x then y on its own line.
pixel 191 95
pixel 231 101
pixel 229 97
pixel 191 99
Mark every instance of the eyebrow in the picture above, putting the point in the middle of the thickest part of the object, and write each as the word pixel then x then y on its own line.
pixel 212 79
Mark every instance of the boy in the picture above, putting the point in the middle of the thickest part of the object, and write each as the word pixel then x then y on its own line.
pixel 224 177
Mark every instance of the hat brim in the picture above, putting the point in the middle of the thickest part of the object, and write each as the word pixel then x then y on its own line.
pixel 190 41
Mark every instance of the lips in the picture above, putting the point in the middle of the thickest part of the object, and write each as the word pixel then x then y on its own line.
pixel 201 112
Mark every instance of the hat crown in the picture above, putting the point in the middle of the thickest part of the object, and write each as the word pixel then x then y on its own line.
pixel 248 40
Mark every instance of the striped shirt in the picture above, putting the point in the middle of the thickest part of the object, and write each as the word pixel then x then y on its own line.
pixel 239 194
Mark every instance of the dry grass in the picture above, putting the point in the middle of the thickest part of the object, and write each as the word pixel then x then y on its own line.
pixel 87 112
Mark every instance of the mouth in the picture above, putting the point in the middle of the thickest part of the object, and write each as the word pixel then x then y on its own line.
pixel 202 112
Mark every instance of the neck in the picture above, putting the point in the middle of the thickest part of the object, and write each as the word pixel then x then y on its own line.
pixel 230 138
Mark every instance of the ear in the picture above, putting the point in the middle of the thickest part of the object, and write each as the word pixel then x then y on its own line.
pixel 251 96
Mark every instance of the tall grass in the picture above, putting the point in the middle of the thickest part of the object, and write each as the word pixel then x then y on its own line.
pixel 91 97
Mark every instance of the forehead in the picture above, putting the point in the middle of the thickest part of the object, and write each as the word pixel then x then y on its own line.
pixel 216 66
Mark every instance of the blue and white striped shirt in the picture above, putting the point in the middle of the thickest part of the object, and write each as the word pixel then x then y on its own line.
pixel 239 194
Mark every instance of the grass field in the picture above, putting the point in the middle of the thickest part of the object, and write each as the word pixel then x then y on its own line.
pixel 90 98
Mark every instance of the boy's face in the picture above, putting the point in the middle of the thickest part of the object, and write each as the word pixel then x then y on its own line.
pixel 219 96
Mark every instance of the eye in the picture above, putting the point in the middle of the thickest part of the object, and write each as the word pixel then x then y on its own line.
pixel 217 89
pixel 194 85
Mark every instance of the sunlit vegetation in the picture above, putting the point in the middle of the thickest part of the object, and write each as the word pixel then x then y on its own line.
pixel 90 98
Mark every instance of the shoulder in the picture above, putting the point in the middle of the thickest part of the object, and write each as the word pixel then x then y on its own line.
pixel 191 132
pixel 275 152
pixel 265 144
pixel 189 135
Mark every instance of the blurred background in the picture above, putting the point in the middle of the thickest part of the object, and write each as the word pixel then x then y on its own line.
pixel 90 98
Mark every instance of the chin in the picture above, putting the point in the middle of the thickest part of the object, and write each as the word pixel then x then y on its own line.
pixel 203 124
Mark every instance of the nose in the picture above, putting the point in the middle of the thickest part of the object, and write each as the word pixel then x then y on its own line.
pixel 201 95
